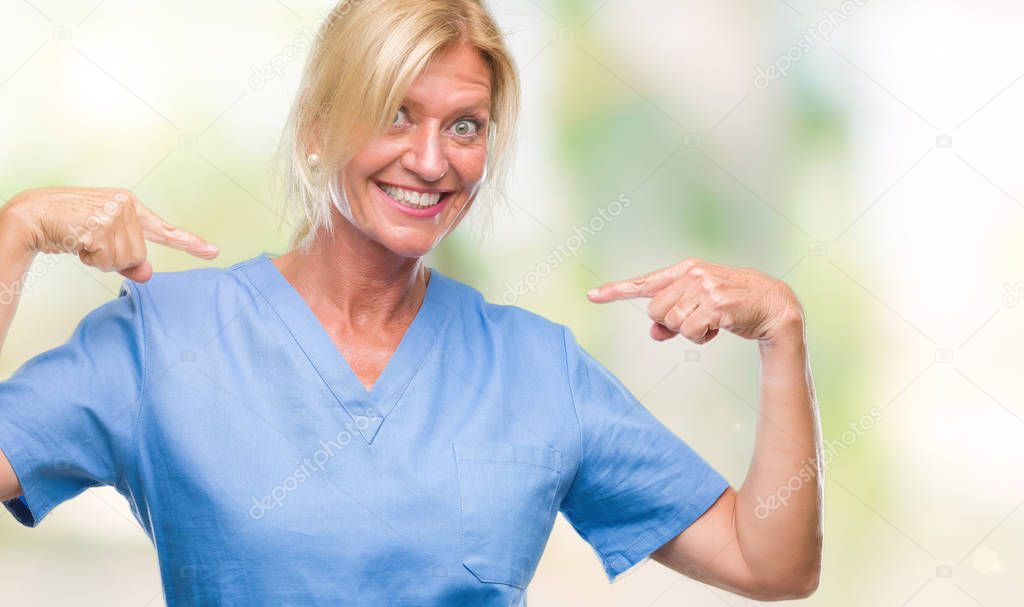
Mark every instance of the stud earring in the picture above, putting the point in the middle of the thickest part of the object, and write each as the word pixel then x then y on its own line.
pixel 313 159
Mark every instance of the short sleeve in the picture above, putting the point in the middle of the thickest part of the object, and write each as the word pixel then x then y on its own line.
pixel 638 485
pixel 67 415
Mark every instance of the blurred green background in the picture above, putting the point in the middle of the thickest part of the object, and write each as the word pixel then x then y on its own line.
pixel 866 153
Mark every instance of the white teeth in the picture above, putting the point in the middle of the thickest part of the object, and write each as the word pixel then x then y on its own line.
pixel 411 198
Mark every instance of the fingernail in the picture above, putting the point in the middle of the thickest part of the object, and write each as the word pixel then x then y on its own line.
pixel 592 293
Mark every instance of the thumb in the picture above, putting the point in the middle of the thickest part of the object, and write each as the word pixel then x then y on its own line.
pixel 139 273
pixel 660 332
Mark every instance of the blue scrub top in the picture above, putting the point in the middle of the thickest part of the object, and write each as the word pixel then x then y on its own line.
pixel 265 474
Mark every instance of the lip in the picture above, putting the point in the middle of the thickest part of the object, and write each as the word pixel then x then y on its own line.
pixel 413 188
pixel 407 210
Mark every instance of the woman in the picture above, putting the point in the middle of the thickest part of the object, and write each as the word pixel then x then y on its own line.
pixel 344 423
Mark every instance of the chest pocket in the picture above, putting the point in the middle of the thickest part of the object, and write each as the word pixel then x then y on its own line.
pixel 507 493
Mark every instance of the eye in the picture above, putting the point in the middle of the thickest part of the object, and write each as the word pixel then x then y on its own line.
pixel 400 117
pixel 466 127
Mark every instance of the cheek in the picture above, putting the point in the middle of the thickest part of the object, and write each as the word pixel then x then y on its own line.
pixel 373 158
pixel 469 163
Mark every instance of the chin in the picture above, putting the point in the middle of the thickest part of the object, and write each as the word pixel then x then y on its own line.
pixel 410 245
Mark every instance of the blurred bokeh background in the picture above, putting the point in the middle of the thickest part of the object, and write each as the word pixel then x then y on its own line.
pixel 866 152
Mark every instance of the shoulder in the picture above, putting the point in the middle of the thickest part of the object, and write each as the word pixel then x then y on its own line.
pixel 189 298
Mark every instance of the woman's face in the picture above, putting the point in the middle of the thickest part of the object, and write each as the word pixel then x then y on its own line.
pixel 411 186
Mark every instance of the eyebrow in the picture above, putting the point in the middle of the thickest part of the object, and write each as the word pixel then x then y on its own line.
pixel 464 109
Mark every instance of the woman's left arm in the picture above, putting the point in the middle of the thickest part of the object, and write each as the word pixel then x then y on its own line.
pixel 763 541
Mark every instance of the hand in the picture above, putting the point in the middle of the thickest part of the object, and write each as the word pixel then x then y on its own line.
pixel 106 227
pixel 698 298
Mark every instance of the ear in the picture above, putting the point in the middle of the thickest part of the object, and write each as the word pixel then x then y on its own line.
pixel 313 140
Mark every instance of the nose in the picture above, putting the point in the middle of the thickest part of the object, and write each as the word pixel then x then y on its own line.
pixel 425 155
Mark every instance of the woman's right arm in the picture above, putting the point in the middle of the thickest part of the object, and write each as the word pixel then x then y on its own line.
pixel 105 227
pixel 15 259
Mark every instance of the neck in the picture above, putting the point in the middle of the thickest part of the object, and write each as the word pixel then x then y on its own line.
pixel 355 283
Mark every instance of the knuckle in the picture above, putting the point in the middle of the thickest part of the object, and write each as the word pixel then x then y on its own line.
pixel 654 308
pixel 114 201
pixel 668 318
pixel 688 263
pixel 123 196
pixel 129 211
pixel 121 202
pixel 187 240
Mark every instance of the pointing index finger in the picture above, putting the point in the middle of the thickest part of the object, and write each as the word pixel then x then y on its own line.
pixel 162 232
pixel 641 286
pixel 646 285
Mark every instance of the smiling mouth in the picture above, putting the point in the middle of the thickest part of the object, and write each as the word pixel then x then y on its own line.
pixel 412 198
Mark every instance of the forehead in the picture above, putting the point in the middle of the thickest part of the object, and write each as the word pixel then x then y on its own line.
pixel 456 77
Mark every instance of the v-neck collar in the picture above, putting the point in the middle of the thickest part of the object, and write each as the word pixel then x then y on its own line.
pixel 367 409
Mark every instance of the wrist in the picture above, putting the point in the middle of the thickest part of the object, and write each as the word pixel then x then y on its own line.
pixel 788 330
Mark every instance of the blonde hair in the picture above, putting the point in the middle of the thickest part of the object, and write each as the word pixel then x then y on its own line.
pixel 366 55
